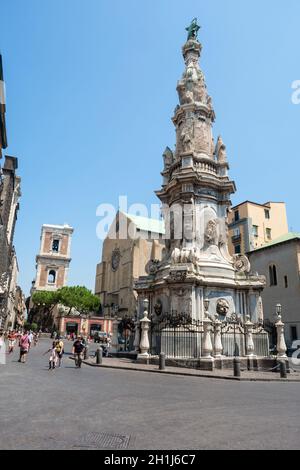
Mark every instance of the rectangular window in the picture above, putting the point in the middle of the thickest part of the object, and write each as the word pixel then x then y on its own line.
pixel 237 249
pixel 236 232
pixel 269 233
pixel 236 216
pixel 267 214
pixel 286 282
pixel 255 230
pixel 294 335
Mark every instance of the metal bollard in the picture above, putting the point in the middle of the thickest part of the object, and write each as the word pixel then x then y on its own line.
pixel 162 361
pixel 283 371
pixel 99 353
pixel 237 367
pixel 86 353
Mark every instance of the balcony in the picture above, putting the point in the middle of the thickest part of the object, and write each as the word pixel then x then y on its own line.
pixel 236 238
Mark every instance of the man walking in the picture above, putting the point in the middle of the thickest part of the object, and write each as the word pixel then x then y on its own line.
pixel 78 348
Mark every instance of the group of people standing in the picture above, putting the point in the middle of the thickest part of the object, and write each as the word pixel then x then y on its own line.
pixel 25 340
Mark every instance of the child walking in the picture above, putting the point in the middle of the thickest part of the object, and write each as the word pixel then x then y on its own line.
pixel 53 356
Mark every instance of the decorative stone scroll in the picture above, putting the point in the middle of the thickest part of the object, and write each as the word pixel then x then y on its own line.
pixel 241 264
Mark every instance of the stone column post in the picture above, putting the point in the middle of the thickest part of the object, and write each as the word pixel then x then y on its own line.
pixel 136 343
pixel 144 343
pixel 207 344
pixel 218 347
pixel 249 338
pixel 115 338
pixel 281 346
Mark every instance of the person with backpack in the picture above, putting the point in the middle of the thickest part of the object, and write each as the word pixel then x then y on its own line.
pixel 24 345
pixel 78 348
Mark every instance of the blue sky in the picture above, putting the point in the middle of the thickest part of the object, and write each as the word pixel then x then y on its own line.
pixel 91 88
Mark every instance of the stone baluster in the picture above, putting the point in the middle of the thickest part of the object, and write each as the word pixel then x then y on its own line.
pixel 115 336
pixel 218 347
pixel 249 338
pixel 144 343
pixel 207 343
pixel 281 345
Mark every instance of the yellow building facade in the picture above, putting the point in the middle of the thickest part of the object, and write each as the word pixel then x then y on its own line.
pixel 253 225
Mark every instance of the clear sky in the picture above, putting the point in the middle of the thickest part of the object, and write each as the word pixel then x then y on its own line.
pixel 91 88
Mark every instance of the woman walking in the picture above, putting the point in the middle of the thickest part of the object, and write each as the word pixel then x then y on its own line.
pixel 24 345
pixel 59 350
pixel 11 341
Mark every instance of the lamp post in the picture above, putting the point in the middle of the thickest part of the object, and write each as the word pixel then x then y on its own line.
pixel 278 309
pixel 234 321
pixel 206 307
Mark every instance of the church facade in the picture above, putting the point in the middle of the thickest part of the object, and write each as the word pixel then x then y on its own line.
pixel 131 243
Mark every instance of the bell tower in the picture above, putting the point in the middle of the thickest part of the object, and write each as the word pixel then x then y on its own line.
pixel 53 260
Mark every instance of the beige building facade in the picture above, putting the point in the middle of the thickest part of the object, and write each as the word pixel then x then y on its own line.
pixel 253 225
pixel 279 261
pixel 131 243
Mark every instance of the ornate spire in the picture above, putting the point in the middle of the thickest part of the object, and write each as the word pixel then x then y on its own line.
pixel 194 115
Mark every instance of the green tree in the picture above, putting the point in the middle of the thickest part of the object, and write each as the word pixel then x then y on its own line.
pixel 44 303
pixel 80 298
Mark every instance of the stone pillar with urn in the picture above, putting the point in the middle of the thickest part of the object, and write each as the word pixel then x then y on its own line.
pixel 250 349
pixel 281 345
pixel 145 325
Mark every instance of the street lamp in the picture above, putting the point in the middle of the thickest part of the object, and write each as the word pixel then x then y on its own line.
pixel 278 309
pixel 234 320
pixel 206 306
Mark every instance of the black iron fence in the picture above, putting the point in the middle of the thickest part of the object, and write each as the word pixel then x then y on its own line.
pixel 179 336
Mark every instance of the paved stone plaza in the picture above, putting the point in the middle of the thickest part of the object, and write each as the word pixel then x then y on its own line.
pixel 68 408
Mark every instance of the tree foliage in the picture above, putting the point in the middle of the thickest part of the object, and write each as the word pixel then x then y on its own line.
pixel 45 300
pixel 76 297
pixel 79 298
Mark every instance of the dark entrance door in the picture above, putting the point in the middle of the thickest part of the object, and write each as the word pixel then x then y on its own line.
pixel 95 328
pixel 71 328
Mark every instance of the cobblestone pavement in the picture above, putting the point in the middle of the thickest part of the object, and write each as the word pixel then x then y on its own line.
pixel 111 408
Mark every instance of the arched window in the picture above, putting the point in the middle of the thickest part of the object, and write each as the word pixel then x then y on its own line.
pixel 273 275
pixel 51 277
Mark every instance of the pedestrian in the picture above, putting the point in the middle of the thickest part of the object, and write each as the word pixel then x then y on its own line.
pixel 2 348
pixel 59 350
pixel 30 337
pixel 78 348
pixel 11 341
pixel 24 345
pixel 53 356
pixel 35 339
